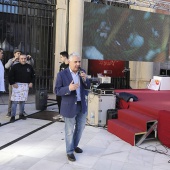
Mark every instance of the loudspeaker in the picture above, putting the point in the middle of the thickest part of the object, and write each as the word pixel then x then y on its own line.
pixel 41 99
pixel 165 72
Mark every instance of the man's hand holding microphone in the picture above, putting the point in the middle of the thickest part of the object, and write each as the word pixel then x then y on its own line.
pixel 82 74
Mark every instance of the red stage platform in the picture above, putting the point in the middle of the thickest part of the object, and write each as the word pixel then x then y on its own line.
pixel 134 121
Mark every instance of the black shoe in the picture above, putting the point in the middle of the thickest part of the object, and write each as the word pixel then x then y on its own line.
pixel 22 117
pixel 12 119
pixel 71 157
pixel 25 114
pixel 78 150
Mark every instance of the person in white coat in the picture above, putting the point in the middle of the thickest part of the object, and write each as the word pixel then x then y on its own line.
pixel 2 84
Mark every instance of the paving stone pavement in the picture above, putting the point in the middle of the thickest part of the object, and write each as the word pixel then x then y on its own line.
pixel 30 106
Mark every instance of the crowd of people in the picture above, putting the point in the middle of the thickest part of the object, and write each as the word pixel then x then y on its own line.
pixel 70 89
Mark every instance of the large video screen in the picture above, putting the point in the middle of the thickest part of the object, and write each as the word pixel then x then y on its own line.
pixel 115 33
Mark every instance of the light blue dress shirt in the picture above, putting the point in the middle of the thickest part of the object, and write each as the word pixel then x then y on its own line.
pixel 76 79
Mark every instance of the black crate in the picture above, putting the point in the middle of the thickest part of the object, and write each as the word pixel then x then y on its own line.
pixel 111 114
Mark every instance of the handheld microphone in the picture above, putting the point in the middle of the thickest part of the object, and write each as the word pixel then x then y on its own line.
pixel 79 72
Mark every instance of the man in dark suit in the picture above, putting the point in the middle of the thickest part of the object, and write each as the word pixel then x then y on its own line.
pixel 72 84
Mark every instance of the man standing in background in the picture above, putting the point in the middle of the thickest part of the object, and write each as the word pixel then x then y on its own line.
pixel 11 62
pixel 21 78
pixel 63 66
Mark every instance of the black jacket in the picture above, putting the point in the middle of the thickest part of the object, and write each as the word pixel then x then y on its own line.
pixel 21 73
pixel 63 66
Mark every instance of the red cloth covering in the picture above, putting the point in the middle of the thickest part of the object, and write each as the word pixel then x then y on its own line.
pixel 164 127
pixel 123 104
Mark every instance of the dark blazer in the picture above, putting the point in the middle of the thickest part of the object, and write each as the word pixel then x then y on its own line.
pixel 69 98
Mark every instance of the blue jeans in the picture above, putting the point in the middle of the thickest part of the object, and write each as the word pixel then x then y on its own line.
pixel 14 107
pixel 73 129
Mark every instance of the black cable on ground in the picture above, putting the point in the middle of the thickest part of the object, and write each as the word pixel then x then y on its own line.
pixel 156 150
pixel 88 124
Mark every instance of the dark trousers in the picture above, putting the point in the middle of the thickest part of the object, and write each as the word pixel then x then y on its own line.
pixel 9 100
pixel 58 98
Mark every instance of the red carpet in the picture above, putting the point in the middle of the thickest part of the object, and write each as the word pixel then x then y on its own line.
pixel 137 117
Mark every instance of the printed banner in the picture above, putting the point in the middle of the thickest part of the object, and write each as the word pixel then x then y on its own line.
pixel 154 84
pixel 20 93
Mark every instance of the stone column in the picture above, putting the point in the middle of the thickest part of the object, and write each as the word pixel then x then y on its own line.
pixel 76 14
pixel 61 33
pixel 140 74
